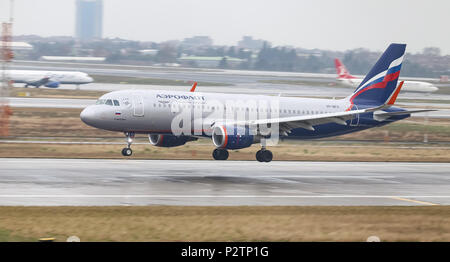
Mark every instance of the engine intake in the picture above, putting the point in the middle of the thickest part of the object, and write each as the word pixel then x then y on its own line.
pixel 232 137
pixel 169 140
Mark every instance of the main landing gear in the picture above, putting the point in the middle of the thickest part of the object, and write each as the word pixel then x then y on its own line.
pixel 220 154
pixel 127 150
pixel 264 155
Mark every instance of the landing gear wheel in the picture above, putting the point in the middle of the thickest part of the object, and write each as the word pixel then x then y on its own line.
pixel 264 155
pixel 127 151
pixel 220 154
pixel 258 156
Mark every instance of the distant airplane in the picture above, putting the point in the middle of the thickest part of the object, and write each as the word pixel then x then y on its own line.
pixel 50 79
pixel 346 79
pixel 236 121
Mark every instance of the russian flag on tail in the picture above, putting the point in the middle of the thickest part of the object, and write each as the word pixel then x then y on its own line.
pixel 381 82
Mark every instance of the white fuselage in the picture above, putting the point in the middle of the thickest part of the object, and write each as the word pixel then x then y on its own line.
pixel 153 111
pixel 408 86
pixel 63 77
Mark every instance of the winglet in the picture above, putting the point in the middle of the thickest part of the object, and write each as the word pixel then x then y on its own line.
pixel 193 87
pixel 395 94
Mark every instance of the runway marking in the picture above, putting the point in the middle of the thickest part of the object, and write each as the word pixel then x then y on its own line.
pixel 415 201
pixel 405 198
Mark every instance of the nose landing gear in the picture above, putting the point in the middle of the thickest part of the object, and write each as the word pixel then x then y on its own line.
pixel 127 150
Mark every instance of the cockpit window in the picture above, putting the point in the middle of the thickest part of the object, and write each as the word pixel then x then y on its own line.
pixel 108 102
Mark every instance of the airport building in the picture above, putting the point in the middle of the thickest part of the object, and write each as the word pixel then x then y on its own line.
pixel 248 42
pixel 89 19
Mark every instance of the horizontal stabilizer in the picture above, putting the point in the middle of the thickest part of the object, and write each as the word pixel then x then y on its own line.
pixel 382 115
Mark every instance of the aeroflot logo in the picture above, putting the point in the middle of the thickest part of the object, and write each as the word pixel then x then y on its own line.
pixel 185 97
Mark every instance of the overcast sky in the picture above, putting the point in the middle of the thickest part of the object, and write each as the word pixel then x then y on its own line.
pixel 324 24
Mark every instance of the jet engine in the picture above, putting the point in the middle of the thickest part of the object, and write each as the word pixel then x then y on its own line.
pixel 52 84
pixel 232 137
pixel 169 140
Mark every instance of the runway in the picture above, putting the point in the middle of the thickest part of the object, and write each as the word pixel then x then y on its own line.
pixel 184 182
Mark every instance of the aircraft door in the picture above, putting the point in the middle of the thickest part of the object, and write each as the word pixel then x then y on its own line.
pixel 138 105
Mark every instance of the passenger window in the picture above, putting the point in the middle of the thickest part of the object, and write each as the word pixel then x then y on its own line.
pixel 109 102
pixel 116 103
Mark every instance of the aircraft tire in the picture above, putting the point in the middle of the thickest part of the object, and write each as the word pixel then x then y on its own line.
pixel 220 154
pixel 127 151
pixel 258 156
pixel 264 156
pixel 267 156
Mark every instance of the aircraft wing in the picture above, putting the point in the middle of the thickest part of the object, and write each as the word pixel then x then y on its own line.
pixel 309 121
pixel 306 121
pixel 38 82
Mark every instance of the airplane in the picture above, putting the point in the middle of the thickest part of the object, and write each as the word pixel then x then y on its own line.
pixel 161 113
pixel 50 79
pixel 346 79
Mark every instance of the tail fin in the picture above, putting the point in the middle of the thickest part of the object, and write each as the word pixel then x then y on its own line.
pixel 341 71
pixel 380 83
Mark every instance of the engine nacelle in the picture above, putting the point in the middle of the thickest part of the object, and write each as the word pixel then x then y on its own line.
pixel 169 140
pixel 52 84
pixel 233 137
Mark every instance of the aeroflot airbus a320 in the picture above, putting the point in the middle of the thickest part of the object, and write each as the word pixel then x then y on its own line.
pixel 235 121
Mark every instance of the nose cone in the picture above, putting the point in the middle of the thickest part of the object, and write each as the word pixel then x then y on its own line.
pixel 88 116
pixel 89 79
